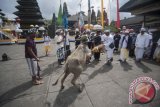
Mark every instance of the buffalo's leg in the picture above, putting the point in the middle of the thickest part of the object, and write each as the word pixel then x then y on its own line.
pixel 75 77
pixel 73 82
pixel 64 77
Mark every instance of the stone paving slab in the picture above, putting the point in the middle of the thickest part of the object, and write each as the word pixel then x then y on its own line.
pixel 109 94
pixel 105 86
pixel 21 89
pixel 27 101
pixel 69 97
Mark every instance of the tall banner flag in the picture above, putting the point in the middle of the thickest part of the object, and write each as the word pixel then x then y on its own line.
pixel 60 14
pixel 65 21
pixel 81 21
pixel 89 13
pixel 102 15
pixel 118 17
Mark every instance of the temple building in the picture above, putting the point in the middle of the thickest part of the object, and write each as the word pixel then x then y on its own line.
pixel 29 13
pixel 147 12
pixel 73 20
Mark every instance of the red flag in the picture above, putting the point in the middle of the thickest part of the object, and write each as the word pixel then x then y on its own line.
pixel 118 17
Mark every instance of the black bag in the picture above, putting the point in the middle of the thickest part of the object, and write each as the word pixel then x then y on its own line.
pixel 111 45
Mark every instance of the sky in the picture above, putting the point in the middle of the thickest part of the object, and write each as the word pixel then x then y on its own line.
pixel 48 7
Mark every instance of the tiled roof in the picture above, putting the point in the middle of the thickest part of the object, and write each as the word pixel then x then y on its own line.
pixel 75 18
pixel 131 4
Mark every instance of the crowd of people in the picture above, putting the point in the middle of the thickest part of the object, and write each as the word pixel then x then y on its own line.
pixel 126 42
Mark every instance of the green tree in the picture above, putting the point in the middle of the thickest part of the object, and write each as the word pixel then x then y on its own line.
pixel 65 9
pixel 60 19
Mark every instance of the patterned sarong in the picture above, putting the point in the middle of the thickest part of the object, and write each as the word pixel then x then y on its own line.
pixel 60 53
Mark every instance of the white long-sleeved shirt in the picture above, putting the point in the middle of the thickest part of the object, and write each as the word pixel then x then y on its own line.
pixel 158 42
pixel 142 41
pixel 47 40
pixel 107 40
pixel 125 41
pixel 59 39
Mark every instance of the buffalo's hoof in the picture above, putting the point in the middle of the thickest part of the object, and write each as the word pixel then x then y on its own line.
pixel 62 87
pixel 81 87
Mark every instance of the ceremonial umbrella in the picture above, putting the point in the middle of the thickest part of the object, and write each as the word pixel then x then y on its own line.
pixel 58 30
pixel 7 30
pixel 41 28
pixel 97 27
pixel 87 26
pixel 18 30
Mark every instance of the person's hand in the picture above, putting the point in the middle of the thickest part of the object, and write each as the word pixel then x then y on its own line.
pixel 37 59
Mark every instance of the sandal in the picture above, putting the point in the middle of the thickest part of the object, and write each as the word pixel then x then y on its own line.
pixel 41 82
pixel 36 82
pixel 39 78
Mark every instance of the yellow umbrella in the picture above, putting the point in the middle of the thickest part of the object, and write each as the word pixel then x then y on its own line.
pixel 87 26
pixel 6 30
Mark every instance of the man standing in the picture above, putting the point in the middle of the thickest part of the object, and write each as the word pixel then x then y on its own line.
pixel 133 36
pixel 117 38
pixel 147 52
pixel 125 45
pixel 60 47
pixel 77 38
pixel 109 45
pixel 47 41
pixel 32 59
pixel 156 55
pixel 141 44
pixel 66 44
pixel 97 41
pixel 90 45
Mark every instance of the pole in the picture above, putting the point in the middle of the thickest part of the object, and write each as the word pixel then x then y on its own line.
pixel 109 12
pixel 102 14
pixel 79 16
pixel 118 17
pixel 144 21
pixel 89 14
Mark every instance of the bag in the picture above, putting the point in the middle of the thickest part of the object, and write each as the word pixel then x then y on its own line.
pixel 111 45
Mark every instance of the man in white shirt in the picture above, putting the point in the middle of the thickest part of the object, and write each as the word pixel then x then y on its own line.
pixel 157 52
pixel 60 47
pixel 67 50
pixel 141 44
pixel 47 41
pixel 90 45
pixel 125 46
pixel 108 42
pixel 148 49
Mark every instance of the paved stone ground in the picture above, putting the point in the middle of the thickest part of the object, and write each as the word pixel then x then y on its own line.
pixel 105 86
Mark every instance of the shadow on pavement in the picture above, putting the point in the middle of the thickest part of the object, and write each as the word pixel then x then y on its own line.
pixel 144 68
pixel 92 64
pixel 126 66
pixel 65 98
pixel 103 69
pixel 50 69
pixel 151 62
pixel 15 93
